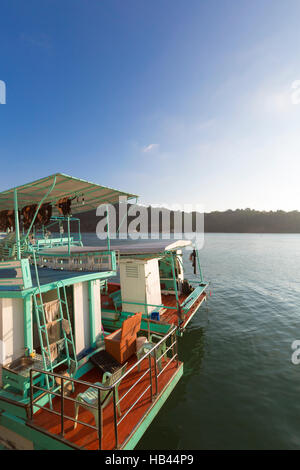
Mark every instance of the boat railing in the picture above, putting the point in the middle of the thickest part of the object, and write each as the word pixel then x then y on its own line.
pixel 146 306
pixel 153 371
pixel 76 261
pixel 41 242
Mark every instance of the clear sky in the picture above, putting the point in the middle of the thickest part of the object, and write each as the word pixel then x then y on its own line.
pixel 179 101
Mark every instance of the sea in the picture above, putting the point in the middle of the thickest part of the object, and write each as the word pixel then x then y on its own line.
pixel 240 388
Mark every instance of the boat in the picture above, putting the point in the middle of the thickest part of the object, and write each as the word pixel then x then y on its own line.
pixel 152 279
pixel 66 382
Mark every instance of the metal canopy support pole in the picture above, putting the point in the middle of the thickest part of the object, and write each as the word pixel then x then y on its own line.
pixel 38 208
pixel 17 228
pixel 79 233
pixel 92 313
pixel 175 285
pixel 198 262
pixel 28 340
pixel 69 239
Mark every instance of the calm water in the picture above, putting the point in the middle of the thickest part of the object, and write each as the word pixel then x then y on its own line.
pixel 240 389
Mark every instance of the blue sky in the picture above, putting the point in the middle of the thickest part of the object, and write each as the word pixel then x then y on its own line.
pixel 177 101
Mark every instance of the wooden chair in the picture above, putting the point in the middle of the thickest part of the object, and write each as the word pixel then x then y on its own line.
pixel 122 343
pixel 89 398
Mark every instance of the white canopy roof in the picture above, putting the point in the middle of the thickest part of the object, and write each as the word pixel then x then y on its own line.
pixel 152 248
pixel 65 186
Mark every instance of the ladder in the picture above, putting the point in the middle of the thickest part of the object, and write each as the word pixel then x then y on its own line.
pixel 66 342
pixel 68 338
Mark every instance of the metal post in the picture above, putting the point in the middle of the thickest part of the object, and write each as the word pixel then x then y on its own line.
pixel 198 262
pixel 146 311
pixel 17 228
pixel 176 348
pixel 150 376
pixel 155 371
pixel 69 239
pixel 99 420
pixel 31 394
pixel 28 339
pixel 148 328
pixel 175 286
pixel 92 313
pixel 115 418
pixel 62 430
pixel 79 233
pixel 173 345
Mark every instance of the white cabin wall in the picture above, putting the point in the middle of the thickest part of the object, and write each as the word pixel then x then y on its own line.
pixel 81 316
pixel 97 309
pixel 132 281
pixel 140 282
pixel 153 290
pixel 11 330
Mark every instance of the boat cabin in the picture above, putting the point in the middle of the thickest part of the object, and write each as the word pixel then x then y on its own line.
pixel 152 280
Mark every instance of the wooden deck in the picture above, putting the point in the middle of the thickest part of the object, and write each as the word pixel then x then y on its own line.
pixel 87 438
pixel 168 300
pixel 171 316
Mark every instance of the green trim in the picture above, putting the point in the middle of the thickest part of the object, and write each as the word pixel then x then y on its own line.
pixel 92 313
pixel 199 264
pixel 174 281
pixel 40 440
pixel 28 335
pixel 52 285
pixel 112 324
pixel 137 433
pixel 15 405
pixel 193 314
pixel 17 228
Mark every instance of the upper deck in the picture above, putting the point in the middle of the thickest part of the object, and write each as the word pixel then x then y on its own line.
pixel 36 207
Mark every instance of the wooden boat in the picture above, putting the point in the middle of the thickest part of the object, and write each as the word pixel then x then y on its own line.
pixel 152 279
pixel 51 331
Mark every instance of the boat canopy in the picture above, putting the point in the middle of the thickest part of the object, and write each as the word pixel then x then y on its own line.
pixel 87 196
pixel 153 248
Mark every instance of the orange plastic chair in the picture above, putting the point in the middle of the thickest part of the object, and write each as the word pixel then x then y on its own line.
pixel 122 343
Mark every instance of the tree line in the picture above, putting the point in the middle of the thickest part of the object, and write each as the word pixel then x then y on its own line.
pixel 230 221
